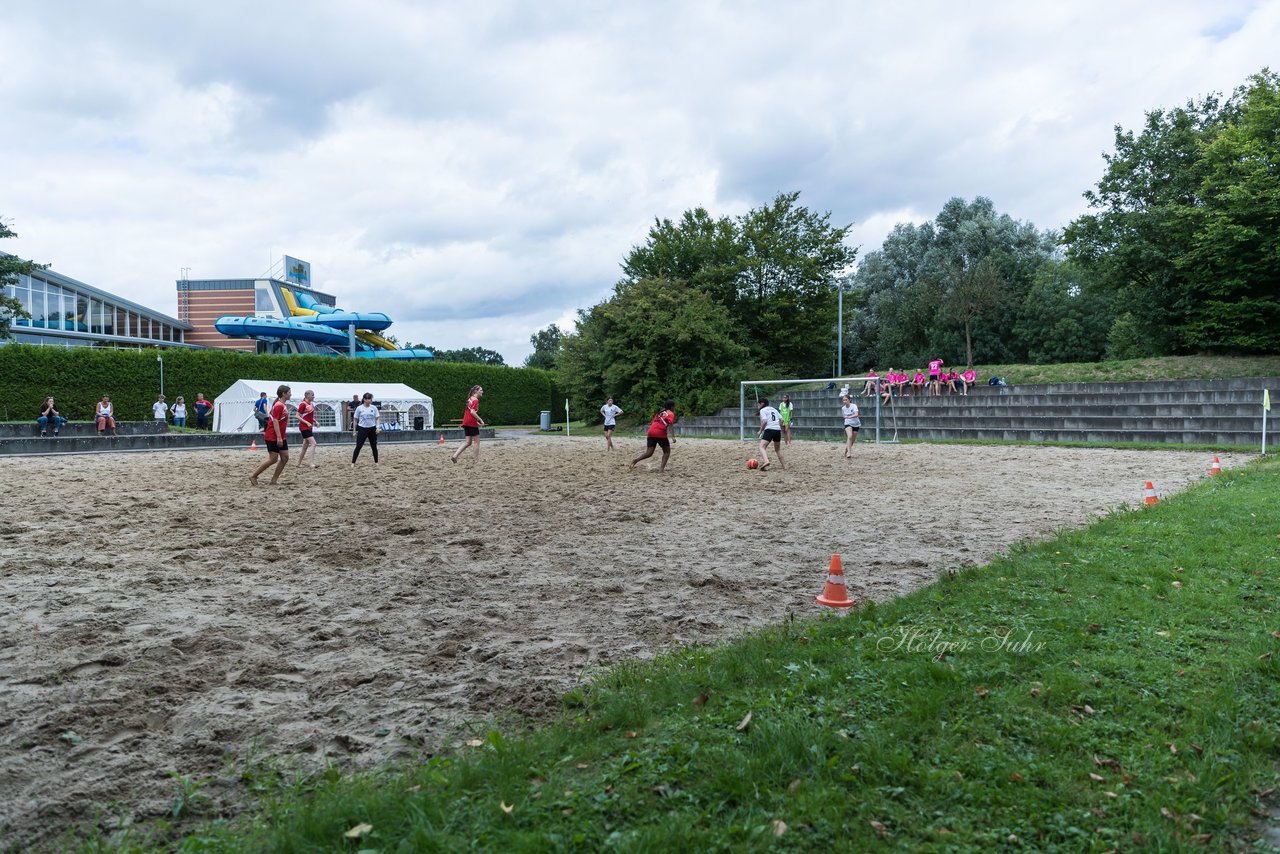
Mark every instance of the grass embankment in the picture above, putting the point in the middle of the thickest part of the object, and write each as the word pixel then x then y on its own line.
pixel 1131 370
pixel 1113 687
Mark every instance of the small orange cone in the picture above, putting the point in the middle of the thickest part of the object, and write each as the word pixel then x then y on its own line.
pixel 1149 495
pixel 253 446
pixel 441 438
pixel 1216 468
pixel 834 594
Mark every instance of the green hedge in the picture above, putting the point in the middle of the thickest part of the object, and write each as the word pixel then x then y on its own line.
pixel 79 376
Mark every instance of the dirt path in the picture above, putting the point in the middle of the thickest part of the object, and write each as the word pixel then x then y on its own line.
pixel 160 616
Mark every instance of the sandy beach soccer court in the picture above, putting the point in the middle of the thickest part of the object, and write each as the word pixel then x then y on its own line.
pixel 162 617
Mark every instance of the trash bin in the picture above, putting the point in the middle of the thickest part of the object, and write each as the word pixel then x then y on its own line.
pixel 417 422
pixel 544 422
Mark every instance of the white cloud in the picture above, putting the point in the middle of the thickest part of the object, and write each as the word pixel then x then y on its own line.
pixel 480 172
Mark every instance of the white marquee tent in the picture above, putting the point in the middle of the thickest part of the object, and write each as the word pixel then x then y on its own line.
pixel 401 405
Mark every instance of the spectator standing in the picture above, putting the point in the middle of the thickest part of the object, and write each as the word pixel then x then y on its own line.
pixel 787 411
pixel 49 417
pixel 179 410
pixel 203 410
pixel 351 412
pixel 261 410
pixel 160 410
pixel 935 379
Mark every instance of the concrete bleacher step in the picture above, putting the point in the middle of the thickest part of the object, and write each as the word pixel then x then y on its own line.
pixel 1226 412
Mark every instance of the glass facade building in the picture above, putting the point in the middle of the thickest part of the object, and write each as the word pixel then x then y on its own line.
pixel 68 313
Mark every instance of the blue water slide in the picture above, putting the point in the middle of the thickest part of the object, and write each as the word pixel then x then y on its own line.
pixel 274 327
pixel 306 300
pixel 371 320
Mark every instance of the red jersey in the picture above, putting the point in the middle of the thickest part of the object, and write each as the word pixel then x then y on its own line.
pixel 471 417
pixel 306 416
pixel 661 423
pixel 279 415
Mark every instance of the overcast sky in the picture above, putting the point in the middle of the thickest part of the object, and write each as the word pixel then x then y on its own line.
pixel 479 171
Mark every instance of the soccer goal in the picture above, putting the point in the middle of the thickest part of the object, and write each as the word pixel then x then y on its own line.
pixel 749 390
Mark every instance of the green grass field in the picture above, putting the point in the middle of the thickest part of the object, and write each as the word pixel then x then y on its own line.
pixel 1113 688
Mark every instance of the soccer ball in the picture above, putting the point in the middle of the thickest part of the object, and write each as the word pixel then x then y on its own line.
pixel 753 463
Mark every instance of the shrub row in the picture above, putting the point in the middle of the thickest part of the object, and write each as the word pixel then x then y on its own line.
pixel 78 377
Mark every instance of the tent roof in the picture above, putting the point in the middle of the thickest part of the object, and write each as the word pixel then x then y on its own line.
pixel 250 389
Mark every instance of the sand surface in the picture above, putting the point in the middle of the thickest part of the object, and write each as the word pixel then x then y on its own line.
pixel 160 616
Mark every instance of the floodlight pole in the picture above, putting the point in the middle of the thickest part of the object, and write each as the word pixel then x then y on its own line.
pixel 160 359
pixel 840 329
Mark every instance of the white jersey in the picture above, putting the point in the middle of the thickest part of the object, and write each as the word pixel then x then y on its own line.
pixel 366 416
pixel 159 410
pixel 610 411
pixel 850 413
pixel 770 418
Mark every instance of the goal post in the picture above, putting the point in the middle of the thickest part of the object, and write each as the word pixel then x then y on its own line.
pixel 856 384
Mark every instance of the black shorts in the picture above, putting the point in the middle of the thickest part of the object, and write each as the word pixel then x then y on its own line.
pixel 655 442
pixel 852 427
pixel 470 431
pixel 771 436
pixel 306 434
pixel 608 428
pixel 277 447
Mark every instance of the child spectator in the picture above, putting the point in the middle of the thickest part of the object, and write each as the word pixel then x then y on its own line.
pixel 160 410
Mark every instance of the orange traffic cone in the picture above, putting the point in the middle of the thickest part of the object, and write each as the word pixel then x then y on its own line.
pixel 1215 468
pixel 1149 495
pixel 253 446
pixel 441 438
pixel 834 594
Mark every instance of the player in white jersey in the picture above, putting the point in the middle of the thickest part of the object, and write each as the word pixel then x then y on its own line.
pixel 770 431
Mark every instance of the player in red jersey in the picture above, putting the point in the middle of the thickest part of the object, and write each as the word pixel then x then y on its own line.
pixel 307 424
pixel 277 447
pixel 659 435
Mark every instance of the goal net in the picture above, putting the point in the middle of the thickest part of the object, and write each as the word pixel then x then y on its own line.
pixel 749 391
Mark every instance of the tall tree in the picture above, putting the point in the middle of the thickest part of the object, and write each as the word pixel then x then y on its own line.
pixel 11 267
pixel 773 269
pixel 1184 226
pixel 1064 316
pixel 656 338
pixel 950 288
pixel 1232 264
pixel 546 346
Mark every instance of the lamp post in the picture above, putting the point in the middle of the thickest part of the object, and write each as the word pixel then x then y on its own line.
pixel 840 328
pixel 160 359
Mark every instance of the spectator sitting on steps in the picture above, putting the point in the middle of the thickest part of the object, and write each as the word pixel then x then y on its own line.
pixel 106 416
pixel 49 417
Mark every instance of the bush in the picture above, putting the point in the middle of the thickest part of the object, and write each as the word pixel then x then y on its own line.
pixel 79 376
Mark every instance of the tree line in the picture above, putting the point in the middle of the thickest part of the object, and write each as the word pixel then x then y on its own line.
pixel 1179 253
